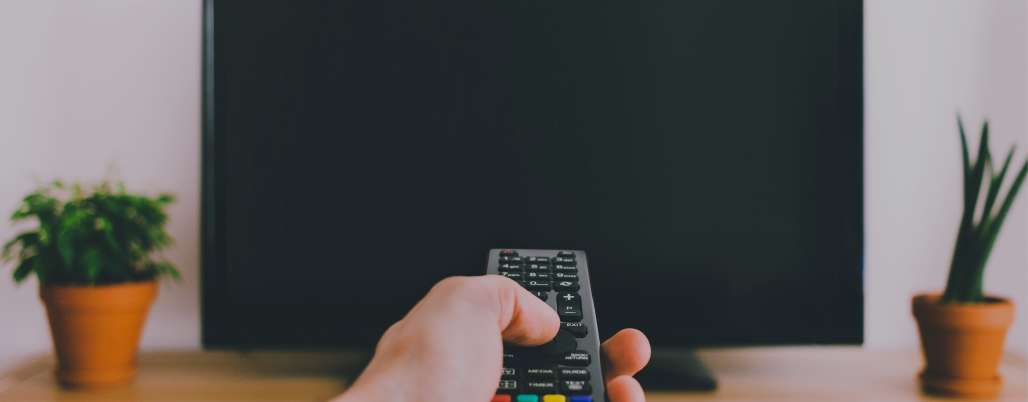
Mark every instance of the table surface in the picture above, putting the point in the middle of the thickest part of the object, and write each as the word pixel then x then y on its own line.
pixel 796 374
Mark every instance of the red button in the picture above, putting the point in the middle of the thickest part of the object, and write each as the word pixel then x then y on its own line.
pixel 501 398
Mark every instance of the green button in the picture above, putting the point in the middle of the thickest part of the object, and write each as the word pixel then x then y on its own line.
pixel 528 398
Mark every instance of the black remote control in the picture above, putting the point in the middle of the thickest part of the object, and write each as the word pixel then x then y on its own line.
pixel 567 369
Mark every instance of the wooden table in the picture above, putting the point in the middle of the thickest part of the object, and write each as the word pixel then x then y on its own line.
pixel 794 374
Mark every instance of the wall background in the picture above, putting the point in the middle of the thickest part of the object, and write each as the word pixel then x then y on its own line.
pixel 97 89
pixel 111 88
pixel 924 61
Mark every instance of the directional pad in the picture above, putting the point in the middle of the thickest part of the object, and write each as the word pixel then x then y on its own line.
pixel 563 343
pixel 565 286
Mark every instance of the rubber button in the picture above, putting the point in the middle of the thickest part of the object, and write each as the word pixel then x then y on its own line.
pixel 500 398
pixel 507 386
pixel 554 398
pixel 573 373
pixel 575 387
pixel 577 358
pixel 583 398
pixel 527 398
pixel 563 343
pixel 577 329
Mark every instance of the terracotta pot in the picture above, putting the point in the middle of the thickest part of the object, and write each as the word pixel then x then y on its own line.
pixel 96 330
pixel 962 345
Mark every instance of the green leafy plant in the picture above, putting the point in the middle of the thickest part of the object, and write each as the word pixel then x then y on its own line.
pixel 976 237
pixel 100 236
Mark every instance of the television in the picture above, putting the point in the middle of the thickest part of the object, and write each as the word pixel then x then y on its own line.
pixel 706 155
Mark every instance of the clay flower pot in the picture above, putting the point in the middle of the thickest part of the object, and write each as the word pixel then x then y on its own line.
pixel 96 330
pixel 962 345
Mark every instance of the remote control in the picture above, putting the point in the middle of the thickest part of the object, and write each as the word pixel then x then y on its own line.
pixel 566 369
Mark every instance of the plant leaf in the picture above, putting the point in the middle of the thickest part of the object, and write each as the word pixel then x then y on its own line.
pixel 24 269
pixel 1008 201
pixel 966 158
pixel 90 234
pixel 994 186
pixel 91 264
pixel 978 173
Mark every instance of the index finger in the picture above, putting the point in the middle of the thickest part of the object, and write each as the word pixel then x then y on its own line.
pixel 625 353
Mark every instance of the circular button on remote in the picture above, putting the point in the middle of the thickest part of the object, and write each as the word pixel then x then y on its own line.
pixel 563 343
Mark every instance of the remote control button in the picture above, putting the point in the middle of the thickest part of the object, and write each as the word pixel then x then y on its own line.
pixel 517 276
pixel 538 260
pixel 542 276
pixel 540 373
pixel 543 295
pixel 541 387
pixel 582 398
pixel 513 259
pixel 565 276
pixel 570 298
pixel 508 252
pixel 577 358
pixel 528 398
pixel 569 373
pixel 570 312
pixel 565 268
pixel 509 268
pixel 537 285
pixel 507 372
pixel 569 307
pixel 577 329
pixel 500 398
pixel 566 254
pixel 575 387
pixel 565 286
pixel 507 386
pixel 538 267
pixel 562 343
pixel 554 398
pixel 564 261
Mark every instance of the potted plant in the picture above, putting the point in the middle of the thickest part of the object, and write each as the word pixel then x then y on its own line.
pixel 963 330
pixel 93 255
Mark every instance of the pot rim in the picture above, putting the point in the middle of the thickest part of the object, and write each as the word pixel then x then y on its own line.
pixel 120 296
pixel 932 299
pixel 102 286
pixel 997 314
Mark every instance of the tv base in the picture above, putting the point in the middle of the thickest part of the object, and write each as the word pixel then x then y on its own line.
pixel 676 369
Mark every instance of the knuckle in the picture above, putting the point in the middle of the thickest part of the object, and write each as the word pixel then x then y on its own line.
pixel 453 286
pixel 466 288
pixel 490 291
pixel 390 338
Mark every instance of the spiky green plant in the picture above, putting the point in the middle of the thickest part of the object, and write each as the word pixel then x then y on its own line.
pixel 976 237
pixel 101 236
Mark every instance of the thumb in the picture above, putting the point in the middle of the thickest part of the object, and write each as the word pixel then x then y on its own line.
pixel 518 315
pixel 524 319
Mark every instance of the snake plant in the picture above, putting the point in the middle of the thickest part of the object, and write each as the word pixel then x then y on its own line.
pixel 979 226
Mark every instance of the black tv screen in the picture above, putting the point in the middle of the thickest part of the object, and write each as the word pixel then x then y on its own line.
pixel 706 155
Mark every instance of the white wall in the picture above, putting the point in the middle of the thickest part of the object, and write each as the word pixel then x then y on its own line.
pixel 91 86
pixel 90 89
pixel 926 60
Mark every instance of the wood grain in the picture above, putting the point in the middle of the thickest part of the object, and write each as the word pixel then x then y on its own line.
pixel 822 374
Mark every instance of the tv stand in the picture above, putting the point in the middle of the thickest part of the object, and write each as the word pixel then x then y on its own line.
pixel 676 369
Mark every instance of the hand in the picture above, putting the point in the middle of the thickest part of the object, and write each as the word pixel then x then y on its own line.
pixel 449 346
